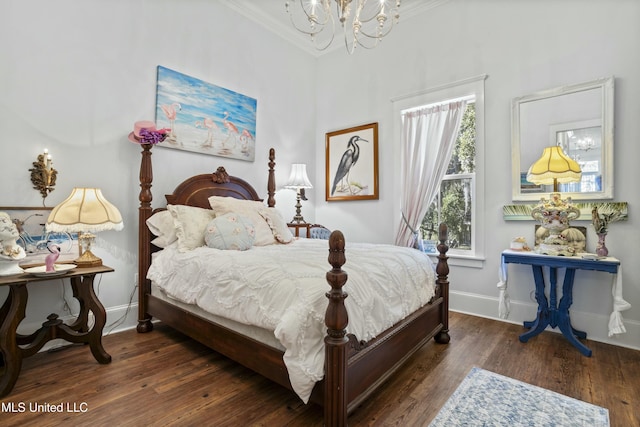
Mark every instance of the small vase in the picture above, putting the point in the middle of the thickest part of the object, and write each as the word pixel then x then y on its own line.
pixel 601 249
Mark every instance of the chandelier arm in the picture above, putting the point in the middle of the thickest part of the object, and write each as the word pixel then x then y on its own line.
pixel 352 48
pixel 377 38
pixel 312 19
pixel 309 18
pixel 377 19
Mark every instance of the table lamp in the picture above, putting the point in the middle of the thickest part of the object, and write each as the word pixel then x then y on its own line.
pixel 85 211
pixel 554 214
pixel 298 180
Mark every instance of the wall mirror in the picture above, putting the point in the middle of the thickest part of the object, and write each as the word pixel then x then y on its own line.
pixel 577 117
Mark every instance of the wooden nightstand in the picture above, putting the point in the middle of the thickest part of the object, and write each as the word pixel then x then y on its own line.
pixel 14 347
pixel 298 225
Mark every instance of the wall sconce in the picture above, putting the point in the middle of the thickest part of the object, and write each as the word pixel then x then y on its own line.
pixel 43 175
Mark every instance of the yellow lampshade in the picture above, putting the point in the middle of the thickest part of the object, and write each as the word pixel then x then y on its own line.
pixel 85 211
pixel 554 166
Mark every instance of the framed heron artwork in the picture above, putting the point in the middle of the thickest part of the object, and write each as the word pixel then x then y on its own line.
pixel 205 118
pixel 352 163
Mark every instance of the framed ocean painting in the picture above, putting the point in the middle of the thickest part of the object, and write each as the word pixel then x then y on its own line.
pixel 205 118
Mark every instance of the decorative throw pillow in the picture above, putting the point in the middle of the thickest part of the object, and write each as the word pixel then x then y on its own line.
pixel 190 223
pixel 250 209
pixel 162 226
pixel 277 224
pixel 230 232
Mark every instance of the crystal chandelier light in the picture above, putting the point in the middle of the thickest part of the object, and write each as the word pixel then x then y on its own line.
pixel 364 22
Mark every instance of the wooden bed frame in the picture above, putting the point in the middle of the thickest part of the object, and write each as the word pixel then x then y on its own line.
pixel 353 370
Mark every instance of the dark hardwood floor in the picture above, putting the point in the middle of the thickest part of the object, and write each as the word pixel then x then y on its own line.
pixel 186 384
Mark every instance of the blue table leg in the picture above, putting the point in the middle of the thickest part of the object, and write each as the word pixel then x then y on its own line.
pixel 542 318
pixel 564 320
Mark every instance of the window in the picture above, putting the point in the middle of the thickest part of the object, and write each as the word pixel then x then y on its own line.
pixel 460 203
pixel 454 205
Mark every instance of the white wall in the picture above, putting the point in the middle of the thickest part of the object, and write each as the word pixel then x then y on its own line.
pixel 76 75
pixel 523 47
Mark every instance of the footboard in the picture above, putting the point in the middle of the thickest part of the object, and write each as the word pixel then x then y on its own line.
pixel 354 370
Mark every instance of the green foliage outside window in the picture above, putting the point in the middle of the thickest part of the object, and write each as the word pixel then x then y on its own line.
pixel 453 205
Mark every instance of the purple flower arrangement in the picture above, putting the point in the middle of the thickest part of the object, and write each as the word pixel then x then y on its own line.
pixel 152 136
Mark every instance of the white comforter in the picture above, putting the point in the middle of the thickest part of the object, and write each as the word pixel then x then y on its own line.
pixel 282 288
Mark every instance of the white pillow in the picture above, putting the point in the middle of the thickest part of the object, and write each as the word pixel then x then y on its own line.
pixel 249 209
pixel 162 226
pixel 190 223
pixel 230 232
pixel 278 225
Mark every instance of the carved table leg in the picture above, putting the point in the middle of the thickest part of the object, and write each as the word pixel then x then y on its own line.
pixel 89 302
pixel 564 321
pixel 542 318
pixel 11 314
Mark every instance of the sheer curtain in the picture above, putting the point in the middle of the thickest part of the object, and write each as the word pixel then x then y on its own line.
pixel 428 137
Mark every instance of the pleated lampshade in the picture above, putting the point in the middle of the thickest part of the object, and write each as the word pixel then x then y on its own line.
pixel 85 211
pixel 554 167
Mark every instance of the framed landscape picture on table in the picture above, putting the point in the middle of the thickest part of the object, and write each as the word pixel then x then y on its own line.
pixel 352 163
pixel 35 239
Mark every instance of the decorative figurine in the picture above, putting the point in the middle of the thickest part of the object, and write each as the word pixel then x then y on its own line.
pixel 554 215
pixel 11 253
pixel 50 260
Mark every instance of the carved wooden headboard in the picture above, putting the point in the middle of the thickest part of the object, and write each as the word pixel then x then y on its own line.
pixel 194 191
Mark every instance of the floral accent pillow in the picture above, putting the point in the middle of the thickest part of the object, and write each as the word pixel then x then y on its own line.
pixel 190 223
pixel 230 232
pixel 278 225
pixel 249 209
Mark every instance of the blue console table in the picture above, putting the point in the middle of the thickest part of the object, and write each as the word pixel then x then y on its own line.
pixel 550 312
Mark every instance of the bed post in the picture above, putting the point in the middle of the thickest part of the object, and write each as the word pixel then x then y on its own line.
pixel 336 320
pixel 271 182
pixel 442 271
pixel 144 238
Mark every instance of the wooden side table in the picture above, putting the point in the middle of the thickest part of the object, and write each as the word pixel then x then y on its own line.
pixel 14 346
pixel 298 225
pixel 550 311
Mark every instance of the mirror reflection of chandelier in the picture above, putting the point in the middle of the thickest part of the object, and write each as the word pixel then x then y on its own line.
pixel 585 144
pixel 364 22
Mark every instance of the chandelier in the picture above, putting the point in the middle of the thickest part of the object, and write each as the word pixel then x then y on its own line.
pixel 585 144
pixel 365 25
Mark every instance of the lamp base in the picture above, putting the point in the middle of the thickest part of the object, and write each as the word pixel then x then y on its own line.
pixel 88 259
pixel 298 218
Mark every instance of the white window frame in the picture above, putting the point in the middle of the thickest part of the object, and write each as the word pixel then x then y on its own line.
pixel 472 87
pixel 474 234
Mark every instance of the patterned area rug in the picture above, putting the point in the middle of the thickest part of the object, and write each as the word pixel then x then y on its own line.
pixel 488 399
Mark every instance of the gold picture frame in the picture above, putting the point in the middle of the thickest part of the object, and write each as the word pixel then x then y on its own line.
pixel 346 179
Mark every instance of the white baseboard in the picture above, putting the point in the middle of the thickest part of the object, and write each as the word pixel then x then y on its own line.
pixel 595 325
